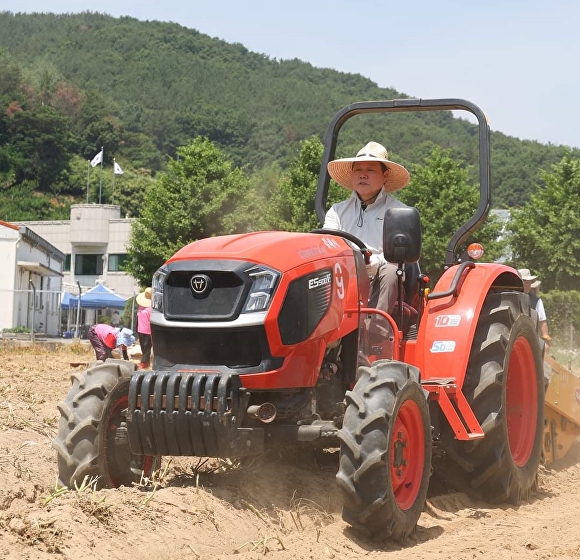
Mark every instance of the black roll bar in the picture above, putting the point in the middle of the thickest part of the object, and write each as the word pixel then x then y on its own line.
pixel 410 105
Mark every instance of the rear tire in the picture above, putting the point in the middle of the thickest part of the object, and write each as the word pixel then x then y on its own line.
pixel 504 385
pixel 385 451
pixel 90 415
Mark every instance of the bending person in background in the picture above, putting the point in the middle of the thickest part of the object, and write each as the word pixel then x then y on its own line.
pixel 105 338
pixel 531 285
pixel 144 327
pixel 371 177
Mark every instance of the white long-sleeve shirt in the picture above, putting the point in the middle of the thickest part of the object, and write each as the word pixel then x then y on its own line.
pixel 348 214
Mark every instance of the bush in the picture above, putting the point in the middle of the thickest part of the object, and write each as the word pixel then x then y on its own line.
pixel 16 330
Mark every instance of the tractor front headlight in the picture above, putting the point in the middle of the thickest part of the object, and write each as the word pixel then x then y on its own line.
pixel 264 282
pixel 157 288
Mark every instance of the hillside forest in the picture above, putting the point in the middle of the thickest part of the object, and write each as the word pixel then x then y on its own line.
pixel 213 139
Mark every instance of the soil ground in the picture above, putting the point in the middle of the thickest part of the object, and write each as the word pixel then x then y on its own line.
pixel 271 507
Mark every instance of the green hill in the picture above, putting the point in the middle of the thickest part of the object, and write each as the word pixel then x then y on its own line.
pixel 72 83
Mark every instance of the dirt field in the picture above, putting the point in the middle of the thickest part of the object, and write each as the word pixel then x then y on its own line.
pixel 270 507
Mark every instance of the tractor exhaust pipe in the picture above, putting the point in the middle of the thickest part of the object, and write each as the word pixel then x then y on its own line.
pixel 265 412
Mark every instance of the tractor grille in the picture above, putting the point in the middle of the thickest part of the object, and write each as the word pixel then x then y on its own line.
pixel 306 303
pixel 221 303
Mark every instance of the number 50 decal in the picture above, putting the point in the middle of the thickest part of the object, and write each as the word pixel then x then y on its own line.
pixel 339 279
pixel 440 346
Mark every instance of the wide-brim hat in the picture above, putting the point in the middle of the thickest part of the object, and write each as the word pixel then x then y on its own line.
pixel 397 176
pixel 527 276
pixel 144 298
pixel 125 337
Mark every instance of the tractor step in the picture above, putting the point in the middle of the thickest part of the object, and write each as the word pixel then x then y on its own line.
pixel 455 407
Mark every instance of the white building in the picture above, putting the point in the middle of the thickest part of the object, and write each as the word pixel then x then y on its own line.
pixel 94 242
pixel 52 257
pixel 30 280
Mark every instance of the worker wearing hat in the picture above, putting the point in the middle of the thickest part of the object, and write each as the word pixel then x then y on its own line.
pixel 372 177
pixel 105 338
pixel 144 327
pixel 531 285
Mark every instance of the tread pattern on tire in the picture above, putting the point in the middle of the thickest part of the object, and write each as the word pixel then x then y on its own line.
pixel 485 468
pixel 364 472
pixel 78 445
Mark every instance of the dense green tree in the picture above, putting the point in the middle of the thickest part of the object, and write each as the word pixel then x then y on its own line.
pixel 39 146
pixel 201 195
pixel 129 190
pixel 139 151
pixel 445 199
pixel 10 78
pixel 21 202
pixel 92 123
pixel 292 205
pixel 546 231
pixel 43 75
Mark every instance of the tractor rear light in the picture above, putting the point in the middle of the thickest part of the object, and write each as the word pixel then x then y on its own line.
pixel 264 281
pixel 475 251
pixel 157 288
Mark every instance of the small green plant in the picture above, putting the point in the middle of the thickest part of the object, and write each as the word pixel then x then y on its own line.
pixel 16 330
pixel 54 493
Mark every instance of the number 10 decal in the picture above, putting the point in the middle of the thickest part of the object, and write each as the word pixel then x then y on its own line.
pixel 447 320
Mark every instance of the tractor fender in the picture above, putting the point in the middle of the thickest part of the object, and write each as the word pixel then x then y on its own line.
pixel 447 328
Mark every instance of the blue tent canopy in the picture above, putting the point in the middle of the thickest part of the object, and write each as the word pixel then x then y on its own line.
pixel 99 297
pixel 65 303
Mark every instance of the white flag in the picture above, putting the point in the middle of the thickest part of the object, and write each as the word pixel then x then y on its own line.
pixel 117 169
pixel 97 159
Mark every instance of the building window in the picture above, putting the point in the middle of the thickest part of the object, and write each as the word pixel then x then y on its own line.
pixel 116 262
pixel 88 265
pixel 66 264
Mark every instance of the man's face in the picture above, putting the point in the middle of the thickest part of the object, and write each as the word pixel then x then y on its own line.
pixel 527 285
pixel 367 178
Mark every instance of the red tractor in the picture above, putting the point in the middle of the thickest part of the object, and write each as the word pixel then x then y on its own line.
pixel 266 338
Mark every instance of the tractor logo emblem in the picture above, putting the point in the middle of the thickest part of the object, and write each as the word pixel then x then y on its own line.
pixel 200 284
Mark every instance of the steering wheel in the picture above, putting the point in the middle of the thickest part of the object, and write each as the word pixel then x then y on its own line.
pixel 366 252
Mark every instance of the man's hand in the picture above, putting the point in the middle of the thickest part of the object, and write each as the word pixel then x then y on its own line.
pixel 373 266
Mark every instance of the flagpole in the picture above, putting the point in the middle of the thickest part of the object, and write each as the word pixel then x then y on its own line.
pixel 113 193
pixel 88 177
pixel 101 183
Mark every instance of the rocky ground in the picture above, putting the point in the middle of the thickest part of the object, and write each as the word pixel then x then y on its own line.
pixel 271 507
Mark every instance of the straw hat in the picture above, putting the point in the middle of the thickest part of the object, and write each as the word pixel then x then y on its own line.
pixel 144 298
pixel 397 176
pixel 527 276
pixel 125 337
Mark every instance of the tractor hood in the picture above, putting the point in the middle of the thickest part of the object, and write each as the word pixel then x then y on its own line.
pixel 281 250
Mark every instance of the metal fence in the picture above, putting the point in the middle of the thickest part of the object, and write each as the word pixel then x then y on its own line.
pixel 40 312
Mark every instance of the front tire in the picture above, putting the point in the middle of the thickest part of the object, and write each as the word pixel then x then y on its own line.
pixel 90 441
pixel 504 385
pixel 385 451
